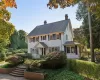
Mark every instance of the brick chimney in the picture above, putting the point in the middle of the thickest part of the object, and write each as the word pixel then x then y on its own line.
pixel 45 22
pixel 66 16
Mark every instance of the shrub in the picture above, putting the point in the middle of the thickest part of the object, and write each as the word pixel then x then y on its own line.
pixel 85 68
pixel 15 60
pixel 54 60
pixel 2 56
pixel 98 57
pixel 33 64
pixel 84 58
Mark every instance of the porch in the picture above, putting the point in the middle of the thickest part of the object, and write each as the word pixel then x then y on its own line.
pixel 72 49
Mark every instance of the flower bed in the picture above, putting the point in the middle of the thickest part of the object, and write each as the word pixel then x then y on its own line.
pixel 6 70
pixel 34 75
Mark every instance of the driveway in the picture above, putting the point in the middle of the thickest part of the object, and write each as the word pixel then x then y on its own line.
pixel 9 77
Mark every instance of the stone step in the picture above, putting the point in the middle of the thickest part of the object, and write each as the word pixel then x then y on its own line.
pixel 19 71
pixel 14 72
pixel 17 75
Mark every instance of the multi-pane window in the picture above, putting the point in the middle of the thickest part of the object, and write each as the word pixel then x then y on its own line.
pixel 37 38
pixel 59 36
pixel 51 49
pixel 68 49
pixel 66 37
pixel 33 39
pixel 54 36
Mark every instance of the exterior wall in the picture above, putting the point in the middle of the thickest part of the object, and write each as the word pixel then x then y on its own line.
pixel 69 33
pixel 55 43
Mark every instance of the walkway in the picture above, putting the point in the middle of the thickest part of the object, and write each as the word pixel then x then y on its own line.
pixel 9 77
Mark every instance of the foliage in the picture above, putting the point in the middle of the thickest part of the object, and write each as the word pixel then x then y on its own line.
pixel 18 40
pixel 33 64
pixel 79 36
pixel 98 57
pixel 2 56
pixel 15 60
pixel 4 14
pixel 54 60
pixel 85 68
pixel 8 65
pixel 82 14
pixel 62 74
pixel 14 40
pixel 6 30
pixel 84 58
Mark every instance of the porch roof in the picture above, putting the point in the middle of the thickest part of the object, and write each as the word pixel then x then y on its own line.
pixel 39 44
pixel 71 43
pixel 43 44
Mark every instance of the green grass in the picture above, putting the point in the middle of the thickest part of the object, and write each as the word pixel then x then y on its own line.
pixel 61 74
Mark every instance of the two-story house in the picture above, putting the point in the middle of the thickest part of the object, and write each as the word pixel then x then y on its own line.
pixel 49 37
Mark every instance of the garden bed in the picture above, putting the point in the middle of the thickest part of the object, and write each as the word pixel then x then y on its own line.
pixel 6 70
pixel 33 75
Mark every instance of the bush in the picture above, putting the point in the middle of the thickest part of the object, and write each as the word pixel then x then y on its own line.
pixel 16 60
pixel 33 64
pixel 54 60
pixel 85 68
pixel 84 58
pixel 2 56
pixel 98 57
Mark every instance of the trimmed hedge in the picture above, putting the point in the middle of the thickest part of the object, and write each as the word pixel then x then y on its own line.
pixel 85 68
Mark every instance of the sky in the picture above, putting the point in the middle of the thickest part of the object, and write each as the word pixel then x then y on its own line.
pixel 30 13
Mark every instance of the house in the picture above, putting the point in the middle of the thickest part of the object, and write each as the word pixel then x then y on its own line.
pixel 49 37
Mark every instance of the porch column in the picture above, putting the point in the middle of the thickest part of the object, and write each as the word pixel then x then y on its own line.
pixel 70 49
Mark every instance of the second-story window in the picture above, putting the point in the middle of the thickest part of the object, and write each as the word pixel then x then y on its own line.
pixel 33 39
pixel 41 38
pixel 37 38
pixel 66 37
pixel 59 36
pixel 54 36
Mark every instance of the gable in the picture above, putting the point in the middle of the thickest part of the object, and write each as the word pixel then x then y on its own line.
pixel 59 26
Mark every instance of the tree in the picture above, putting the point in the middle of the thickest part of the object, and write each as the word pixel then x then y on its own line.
pixel 4 14
pixel 22 39
pixel 18 40
pixel 6 30
pixel 91 5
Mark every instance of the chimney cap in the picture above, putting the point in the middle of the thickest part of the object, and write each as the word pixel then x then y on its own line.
pixel 66 16
pixel 45 22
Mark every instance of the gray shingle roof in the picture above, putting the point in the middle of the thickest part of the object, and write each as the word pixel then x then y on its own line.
pixel 71 43
pixel 59 26
pixel 43 44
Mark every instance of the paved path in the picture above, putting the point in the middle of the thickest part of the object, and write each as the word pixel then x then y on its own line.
pixel 9 77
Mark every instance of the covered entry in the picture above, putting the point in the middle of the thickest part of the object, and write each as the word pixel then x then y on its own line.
pixel 71 49
pixel 41 48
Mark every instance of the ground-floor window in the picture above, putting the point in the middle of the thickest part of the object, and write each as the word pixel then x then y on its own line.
pixel 51 49
pixel 71 49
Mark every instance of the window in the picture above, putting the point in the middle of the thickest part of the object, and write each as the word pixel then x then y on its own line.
pixel 66 37
pixel 54 36
pixel 59 36
pixel 33 39
pixel 48 37
pixel 37 38
pixel 68 49
pixel 72 50
pixel 41 38
pixel 51 49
